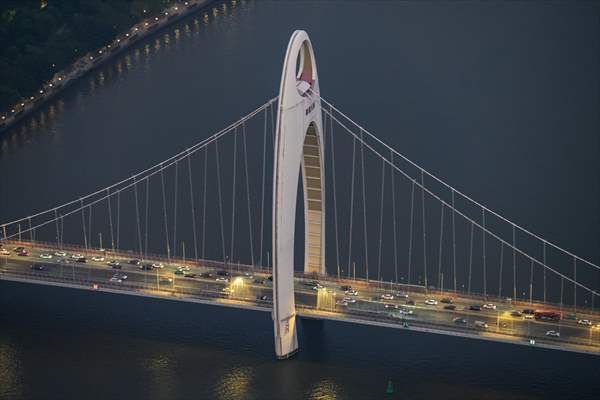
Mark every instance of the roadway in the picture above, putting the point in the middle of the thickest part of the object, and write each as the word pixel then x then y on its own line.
pixel 252 289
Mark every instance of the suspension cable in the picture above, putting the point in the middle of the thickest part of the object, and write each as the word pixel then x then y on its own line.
pixel 364 201
pixel 166 223
pixel 381 219
pixel 262 194
pixel 439 277
pixel 531 282
pixel 83 226
pixel 544 258
pixel 118 218
pixel 175 209
pixel 483 252
pixel 500 274
pixel 351 206
pixel 193 208
pixel 453 241
pixel 137 220
pixel 514 264
pixel 394 219
pixel 248 196
pixel 410 238
pixel 470 261
pixel 233 195
pixel 110 222
pixel 220 198
pixel 146 218
pixel 335 213
pixel 57 229
pixel 204 203
pixel 424 231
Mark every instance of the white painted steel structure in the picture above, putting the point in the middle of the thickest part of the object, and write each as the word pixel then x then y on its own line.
pixel 298 146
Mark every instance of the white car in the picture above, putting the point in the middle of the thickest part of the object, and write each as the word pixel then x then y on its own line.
pixel 4 252
pixel 97 258
pixel 489 306
pixel 158 265
pixel 341 303
pixel 349 300
pixel 406 312
pixel 45 255
pixel 387 296
pixel 481 324
pixel 585 322
pixel 431 302
pixel 528 316
pixel 318 286
pixel 227 290
pixel 351 292
pixel 222 279
pixel 553 333
pixel 115 279
pixel 392 306
pixel 76 256
pixel 401 295
pixel 60 254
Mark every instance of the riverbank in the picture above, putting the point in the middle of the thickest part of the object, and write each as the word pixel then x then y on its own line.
pixel 92 60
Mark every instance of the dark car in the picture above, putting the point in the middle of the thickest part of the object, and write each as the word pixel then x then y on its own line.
pixel 135 261
pixel 147 267
pixel 516 314
pixel 38 267
pixel 189 275
pixel 459 320
pixel 205 275
pixel 222 273
pixel 270 278
pixel 450 307
pixel 82 260
pixel 446 300
pixel 410 302
pixel 528 311
pixel 475 307
pixel 346 288
pixel 259 281
pixel 263 298
pixel 22 252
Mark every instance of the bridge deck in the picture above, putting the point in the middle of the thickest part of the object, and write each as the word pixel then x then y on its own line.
pixel 368 309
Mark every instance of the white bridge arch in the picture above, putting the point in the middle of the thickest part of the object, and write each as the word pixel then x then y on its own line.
pixel 299 145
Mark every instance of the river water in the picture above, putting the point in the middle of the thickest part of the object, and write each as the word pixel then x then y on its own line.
pixel 500 99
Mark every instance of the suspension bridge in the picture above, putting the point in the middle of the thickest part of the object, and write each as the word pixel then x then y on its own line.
pixel 386 242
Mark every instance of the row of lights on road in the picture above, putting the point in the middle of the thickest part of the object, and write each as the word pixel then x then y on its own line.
pixel 91 58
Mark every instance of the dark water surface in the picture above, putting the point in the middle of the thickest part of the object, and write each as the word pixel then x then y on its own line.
pixel 500 99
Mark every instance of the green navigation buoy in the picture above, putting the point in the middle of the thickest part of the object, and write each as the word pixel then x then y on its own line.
pixel 390 388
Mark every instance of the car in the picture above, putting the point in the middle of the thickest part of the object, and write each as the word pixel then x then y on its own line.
pixel 517 314
pixel 60 253
pixel 179 272
pixel 23 252
pixel 344 288
pixel 158 265
pixel 349 300
pixel 115 279
pixel 189 275
pixel 114 264
pixel 528 316
pixel 222 279
pixel 585 322
pixel 529 311
pixel 351 292
pixel 406 311
pixel 38 267
pixel 480 324
pixel 146 267
pixel 489 306
pixel 248 275
pixel 431 302
pixel 76 256
pixel 449 307
pixel 410 302
pixel 259 281
pixel 134 261
pixel 475 307
pixel 206 275
pixel 341 303
pixel 446 300
pixel 459 320
pixel 553 333
pixel 222 273
pixel 122 276
pixel 18 249
pixel 317 287
pixel 402 295
pixel 227 290
pixel 392 306
pixel 387 296
pixel 263 298
pixel 45 255
pixel 82 260
pixel 270 277
pixel 98 258
pixel 4 252
pixel 503 325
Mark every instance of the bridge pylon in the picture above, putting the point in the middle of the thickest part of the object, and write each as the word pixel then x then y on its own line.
pixel 299 145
